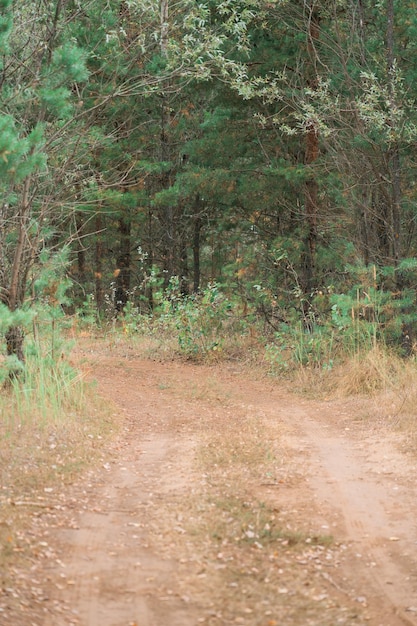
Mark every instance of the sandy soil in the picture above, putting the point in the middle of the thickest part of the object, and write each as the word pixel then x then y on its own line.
pixel 225 500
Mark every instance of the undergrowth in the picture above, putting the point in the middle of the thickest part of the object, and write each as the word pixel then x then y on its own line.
pixel 215 325
pixel 207 327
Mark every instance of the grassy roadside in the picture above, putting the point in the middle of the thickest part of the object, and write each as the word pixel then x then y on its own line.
pixel 52 426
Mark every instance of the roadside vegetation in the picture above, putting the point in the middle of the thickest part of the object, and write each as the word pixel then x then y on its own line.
pixel 52 426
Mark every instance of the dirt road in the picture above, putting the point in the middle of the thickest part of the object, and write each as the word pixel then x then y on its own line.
pixel 226 500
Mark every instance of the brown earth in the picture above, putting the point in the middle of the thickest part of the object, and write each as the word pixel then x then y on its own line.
pixel 224 499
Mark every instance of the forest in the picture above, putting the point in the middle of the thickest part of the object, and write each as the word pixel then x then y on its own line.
pixel 244 163
pixel 208 316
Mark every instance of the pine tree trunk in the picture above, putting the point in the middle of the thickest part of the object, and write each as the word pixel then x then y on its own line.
pixel 196 254
pixel 167 217
pixel 311 205
pixel 311 192
pixel 15 334
pixel 23 217
pixel 14 341
pixel 98 271
pixel 184 270
pixel 81 258
pixel 394 162
pixel 149 261
pixel 123 265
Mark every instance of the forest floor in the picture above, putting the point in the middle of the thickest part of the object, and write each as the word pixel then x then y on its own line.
pixel 223 499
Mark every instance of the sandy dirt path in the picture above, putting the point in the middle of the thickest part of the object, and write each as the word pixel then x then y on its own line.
pixel 148 538
pixel 368 490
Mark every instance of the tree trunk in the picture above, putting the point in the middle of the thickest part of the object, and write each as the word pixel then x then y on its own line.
pixel 311 191
pixel 15 334
pixel 168 250
pixel 184 265
pixel 14 341
pixel 123 265
pixel 167 217
pixel 196 254
pixel 311 205
pixel 98 271
pixel 364 230
pixel 149 262
pixel 23 217
pixel 394 162
pixel 81 258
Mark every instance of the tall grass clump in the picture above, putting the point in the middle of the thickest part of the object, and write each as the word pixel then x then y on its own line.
pixel 377 370
pixel 44 388
pixel 47 410
pixel 323 346
pixel 385 387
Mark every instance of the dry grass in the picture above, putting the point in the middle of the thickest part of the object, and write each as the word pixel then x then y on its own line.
pixel 370 373
pixel 387 383
pixel 373 372
pixel 381 385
